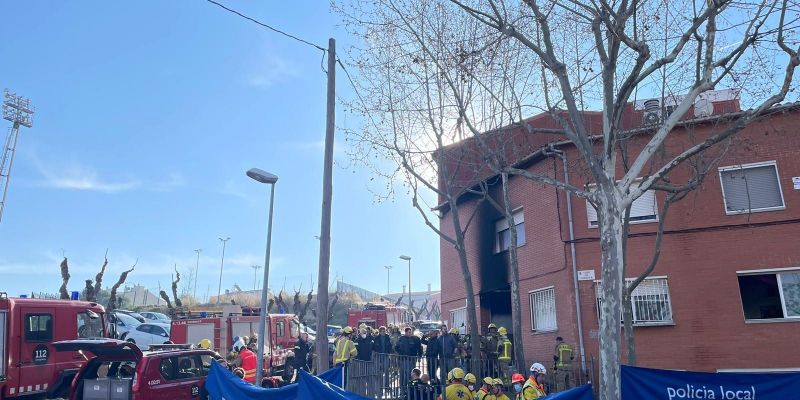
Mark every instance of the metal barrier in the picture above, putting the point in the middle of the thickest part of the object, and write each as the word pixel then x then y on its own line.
pixel 387 376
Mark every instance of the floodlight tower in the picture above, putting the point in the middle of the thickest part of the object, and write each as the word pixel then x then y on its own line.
pixel 18 110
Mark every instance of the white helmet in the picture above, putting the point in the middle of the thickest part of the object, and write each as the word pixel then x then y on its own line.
pixel 238 346
pixel 538 368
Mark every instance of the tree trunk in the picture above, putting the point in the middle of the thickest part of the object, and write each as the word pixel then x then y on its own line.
pixel 516 302
pixel 611 235
pixel 472 315
pixel 627 317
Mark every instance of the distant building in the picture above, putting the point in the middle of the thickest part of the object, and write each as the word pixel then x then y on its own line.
pixel 139 296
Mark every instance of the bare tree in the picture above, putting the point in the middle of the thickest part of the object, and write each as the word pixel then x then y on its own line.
pixel 93 288
pixel 426 72
pixel 64 279
pixel 175 282
pixel 112 301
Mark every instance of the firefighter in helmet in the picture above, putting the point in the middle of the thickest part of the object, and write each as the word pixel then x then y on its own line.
pixel 247 361
pixel 489 344
pixel 456 390
pixel 534 387
pixel 504 351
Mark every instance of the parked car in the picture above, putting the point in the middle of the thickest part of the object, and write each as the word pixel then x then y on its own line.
pixel 422 328
pixel 148 333
pixel 139 317
pixel 151 316
pixel 124 323
pixel 122 369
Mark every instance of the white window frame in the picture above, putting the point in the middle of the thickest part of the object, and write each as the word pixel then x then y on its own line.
pixel 739 167
pixel 669 322
pixel 502 224
pixel 532 306
pixel 453 322
pixel 777 272
pixel 590 209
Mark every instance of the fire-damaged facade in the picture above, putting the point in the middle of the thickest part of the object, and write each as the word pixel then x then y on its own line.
pixel 725 293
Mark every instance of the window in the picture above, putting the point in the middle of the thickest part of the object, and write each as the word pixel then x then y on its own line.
pixel 206 360
pixel 650 301
pixel 38 327
pixel 167 368
pixel 643 210
pixel 770 295
pixel 295 328
pixel 145 329
pixel 280 328
pixel 503 233
pixel 89 325
pixel 751 188
pixel 543 309
pixel 458 319
pixel 158 331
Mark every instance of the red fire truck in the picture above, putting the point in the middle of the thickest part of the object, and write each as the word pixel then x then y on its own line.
pixel 377 315
pixel 29 365
pixel 283 331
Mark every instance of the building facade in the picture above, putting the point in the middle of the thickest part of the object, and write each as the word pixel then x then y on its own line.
pixel 725 294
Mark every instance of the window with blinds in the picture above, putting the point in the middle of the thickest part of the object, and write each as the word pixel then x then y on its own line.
pixel 643 210
pixel 458 319
pixel 502 240
pixel 751 188
pixel 650 301
pixel 543 310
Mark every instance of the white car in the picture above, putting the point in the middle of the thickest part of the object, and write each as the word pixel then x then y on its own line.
pixel 148 333
pixel 151 316
pixel 125 323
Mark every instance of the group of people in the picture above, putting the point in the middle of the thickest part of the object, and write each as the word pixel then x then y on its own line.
pixel 464 386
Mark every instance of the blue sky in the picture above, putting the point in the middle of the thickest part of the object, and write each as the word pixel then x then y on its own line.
pixel 147 116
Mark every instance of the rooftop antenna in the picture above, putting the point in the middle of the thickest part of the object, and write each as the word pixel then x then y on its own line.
pixel 17 110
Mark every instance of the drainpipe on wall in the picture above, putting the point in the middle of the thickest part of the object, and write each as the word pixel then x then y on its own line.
pixel 560 154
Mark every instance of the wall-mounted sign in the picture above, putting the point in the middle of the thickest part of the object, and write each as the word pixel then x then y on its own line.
pixel 796 182
pixel 586 275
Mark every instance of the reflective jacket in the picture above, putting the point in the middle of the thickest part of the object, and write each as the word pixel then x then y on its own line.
pixel 504 349
pixel 345 350
pixel 248 365
pixel 532 390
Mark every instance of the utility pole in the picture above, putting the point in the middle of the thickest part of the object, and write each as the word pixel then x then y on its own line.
pixel 255 275
pixel 388 267
pixel 16 109
pixel 325 224
pixel 221 263
pixel 196 270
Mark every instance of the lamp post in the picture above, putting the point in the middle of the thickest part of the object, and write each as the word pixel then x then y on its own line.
pixel 196 270
pixel 408 258
pixel 221 263
pixel 270 179
pixel 388 267
pixel 255 275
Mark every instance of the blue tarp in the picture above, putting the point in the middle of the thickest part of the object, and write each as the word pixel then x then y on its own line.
pixel 656 384
pixel 222 384
pixel 583 392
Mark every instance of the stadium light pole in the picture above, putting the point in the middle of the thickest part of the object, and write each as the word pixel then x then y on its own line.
pixel 270 179
pixel 388 267
pixel 408 258
pixel 196 271
pixel 221 263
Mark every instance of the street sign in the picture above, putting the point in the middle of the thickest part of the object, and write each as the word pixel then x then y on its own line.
pixel 586 275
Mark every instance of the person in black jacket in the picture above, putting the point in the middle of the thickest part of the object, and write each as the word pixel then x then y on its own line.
pixel 383 348
pixel 433 351
pixel 409 348
pixel 302 349
pixel 365 346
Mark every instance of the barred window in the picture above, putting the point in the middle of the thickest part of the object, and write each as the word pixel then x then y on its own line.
pixel 650 301
pixel 458 319
pixel 751 188
pixel 543 309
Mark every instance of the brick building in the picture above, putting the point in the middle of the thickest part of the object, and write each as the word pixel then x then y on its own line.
pixel 725 294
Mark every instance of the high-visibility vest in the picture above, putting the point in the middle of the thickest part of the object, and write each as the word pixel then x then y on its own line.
pixel 564 352
pixel 249 364
pixel 484 395
pixel 505 353
pixel 345 349
pixel 532 390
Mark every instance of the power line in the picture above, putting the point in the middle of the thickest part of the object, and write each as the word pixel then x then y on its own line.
pixel 276 30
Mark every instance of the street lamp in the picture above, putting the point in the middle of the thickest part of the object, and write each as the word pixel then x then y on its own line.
pixel 270 179
pixel 408 258
pixel 255 275
pixel 221 263
pixel 196 270
pixel 388 267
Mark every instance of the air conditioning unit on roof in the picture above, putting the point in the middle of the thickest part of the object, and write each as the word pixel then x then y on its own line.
pixel 652 112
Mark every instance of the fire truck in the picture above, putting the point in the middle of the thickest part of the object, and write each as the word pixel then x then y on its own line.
pixel 283 330
pixel 377 315
pixel 29 365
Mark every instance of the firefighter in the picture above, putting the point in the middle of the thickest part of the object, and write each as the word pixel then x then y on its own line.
pixel 464 350
pixel 504 351
pixel 252 342
pixel 485 392
pixel 517 380
pixel 562 365
pixel 499 389
pixel 248 362
pixel 345 348
pixel 204 344
pixel 456 389
pixel 489 344
pixel 534 386
pixel 470 380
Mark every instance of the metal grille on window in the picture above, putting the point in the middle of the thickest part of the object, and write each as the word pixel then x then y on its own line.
pixel 458 319
pixel 751 188
pixel 543 310
pixel 650 301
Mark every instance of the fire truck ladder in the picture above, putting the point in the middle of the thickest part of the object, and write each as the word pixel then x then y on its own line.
pixel 17 110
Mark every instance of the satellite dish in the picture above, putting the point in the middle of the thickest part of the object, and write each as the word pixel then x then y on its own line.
pixel 703 108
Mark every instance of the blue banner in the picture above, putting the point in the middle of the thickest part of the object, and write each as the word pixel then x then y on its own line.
pixel 656 384
pixel 579 393
pixel 222 384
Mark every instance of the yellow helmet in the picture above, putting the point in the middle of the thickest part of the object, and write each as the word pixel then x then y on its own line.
pixel 204 344
pixel 457 373
pixel 488 381
pixel 470 378
pixel 492 325
pixel 347 330
pixel 502 331
pixel 454 331
pixel 498 381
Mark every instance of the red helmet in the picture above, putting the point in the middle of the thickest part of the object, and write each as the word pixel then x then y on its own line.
pixel 517 378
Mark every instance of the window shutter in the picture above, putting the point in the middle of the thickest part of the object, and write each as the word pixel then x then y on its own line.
pixel 752 188
pixel 643 209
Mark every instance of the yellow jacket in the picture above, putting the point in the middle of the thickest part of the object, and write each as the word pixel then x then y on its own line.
pixel 532 390
pixel 484 395
pixel 345 350
pixel 457 391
